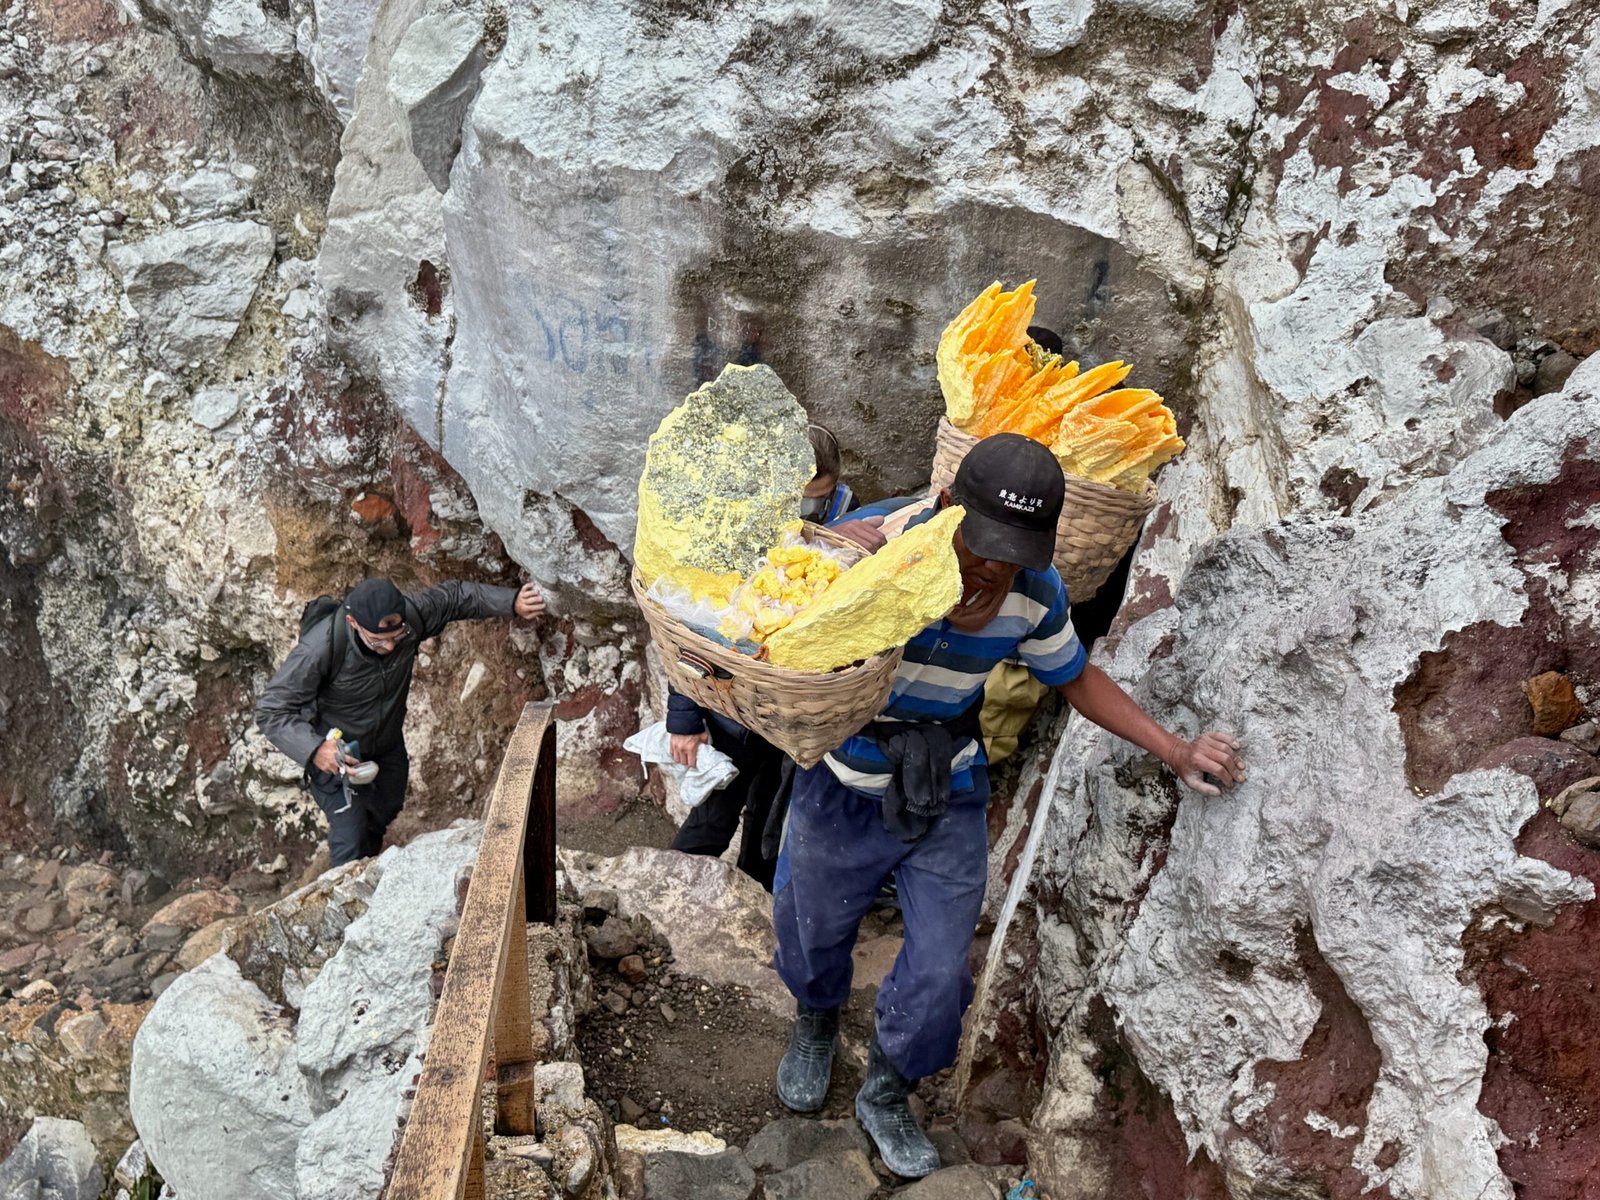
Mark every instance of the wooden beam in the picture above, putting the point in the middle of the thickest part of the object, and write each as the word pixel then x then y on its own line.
pixel 539 850
pixel 441 1149
pixel 474 1187
pixel 513 1026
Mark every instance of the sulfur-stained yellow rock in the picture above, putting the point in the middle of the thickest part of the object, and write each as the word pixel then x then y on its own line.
pixel 725 472
pixel 882 601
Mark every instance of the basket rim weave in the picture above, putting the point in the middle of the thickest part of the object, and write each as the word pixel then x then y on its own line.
pixel 1086 492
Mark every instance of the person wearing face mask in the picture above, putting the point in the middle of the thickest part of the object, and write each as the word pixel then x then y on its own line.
pixel 351 671
pixel 906 796
pixel 827 497
pixel 759 792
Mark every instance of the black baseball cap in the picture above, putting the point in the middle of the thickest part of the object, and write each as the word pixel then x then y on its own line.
pixel 1012 489
pixel 371 600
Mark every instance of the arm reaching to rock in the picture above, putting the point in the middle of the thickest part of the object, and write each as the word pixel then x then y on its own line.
pixel 1097 696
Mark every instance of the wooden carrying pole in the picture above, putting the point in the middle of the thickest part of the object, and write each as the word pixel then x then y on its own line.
pixel 441 1151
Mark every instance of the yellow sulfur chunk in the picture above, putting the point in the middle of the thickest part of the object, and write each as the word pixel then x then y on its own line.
pixel 724 474
pixel 882 601
pixel 996 380
pixel 769 621
pixel 976 351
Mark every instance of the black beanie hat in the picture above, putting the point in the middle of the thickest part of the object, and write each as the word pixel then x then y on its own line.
pixel 371 601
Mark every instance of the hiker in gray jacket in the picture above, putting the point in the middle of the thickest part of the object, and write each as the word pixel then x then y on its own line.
pixel 351 671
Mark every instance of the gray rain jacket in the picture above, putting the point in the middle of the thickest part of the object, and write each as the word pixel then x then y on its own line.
pixel 365 694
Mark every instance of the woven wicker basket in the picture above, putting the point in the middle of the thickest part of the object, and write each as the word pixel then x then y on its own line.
pixel 803 713
pixel 1098 522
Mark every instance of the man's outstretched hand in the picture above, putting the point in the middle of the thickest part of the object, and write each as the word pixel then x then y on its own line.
pixel 1214 754
pixel 530 602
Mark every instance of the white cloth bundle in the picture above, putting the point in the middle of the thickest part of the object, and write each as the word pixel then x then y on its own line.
pixel 712 768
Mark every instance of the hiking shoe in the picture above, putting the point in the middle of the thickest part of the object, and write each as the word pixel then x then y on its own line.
pixel 807 1065
pixel 882 1109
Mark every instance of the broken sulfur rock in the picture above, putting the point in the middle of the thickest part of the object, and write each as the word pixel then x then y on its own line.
pixel 881 602
pixel 995 380
pixel 725 472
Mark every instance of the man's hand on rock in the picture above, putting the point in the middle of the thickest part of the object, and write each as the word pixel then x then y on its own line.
pixel 864 533
pixel 1214 754
pixel 529 603
pixel 686 747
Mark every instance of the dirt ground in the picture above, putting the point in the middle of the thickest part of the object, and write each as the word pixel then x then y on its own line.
pixel 638 822
pixel 693 1055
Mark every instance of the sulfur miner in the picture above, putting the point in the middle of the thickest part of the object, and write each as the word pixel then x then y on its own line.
pixel 905 796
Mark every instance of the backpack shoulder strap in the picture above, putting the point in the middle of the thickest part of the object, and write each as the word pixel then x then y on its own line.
pixel 338 638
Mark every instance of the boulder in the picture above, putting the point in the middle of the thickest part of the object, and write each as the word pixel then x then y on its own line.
pixel 54 1161
pixel 195 910
pixel 847 1176
pixel 717 919
pixel 366 1009
pixel 611 939
pixel 1554 702
pixel 239 37
pixel 89 887
pixel 215 1090
pixel 559 1083
pixel 191 286
pixel 433 76
pixel 305 1025
pixel 791 1140
pixel 1583 818
pixel 721 1176
pixel 214 407
pixel 967 1182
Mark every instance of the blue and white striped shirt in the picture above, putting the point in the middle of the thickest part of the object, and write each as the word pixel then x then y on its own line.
pixel 944 668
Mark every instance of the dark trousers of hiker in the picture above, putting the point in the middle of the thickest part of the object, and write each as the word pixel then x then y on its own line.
pixel 712 823
pixel 357 831
pixel 835 857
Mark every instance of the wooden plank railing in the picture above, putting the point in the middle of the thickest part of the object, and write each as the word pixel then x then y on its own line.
pixel 514 882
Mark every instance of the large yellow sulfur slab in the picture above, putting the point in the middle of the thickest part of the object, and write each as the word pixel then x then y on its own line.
pixel 726 470
pixel 883 601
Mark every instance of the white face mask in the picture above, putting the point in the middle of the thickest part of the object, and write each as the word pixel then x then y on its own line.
pixel 814 508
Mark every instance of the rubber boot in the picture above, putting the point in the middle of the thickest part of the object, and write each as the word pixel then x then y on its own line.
pixel 807 1065
pixel 883 1112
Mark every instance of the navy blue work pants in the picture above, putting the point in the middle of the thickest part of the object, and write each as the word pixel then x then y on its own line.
pixel 835 858
pixel 357 831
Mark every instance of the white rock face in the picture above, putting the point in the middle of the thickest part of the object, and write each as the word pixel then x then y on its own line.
pixel 385 222
pixel 334 40
pixel 192 285
pixel 433 77
pixel 311 1100
pixel 236 36
pixel 215 1092
pixel 365 1010
pixel 1298 635
pixel 592 194
pixel 624 219
pixel 55 1160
